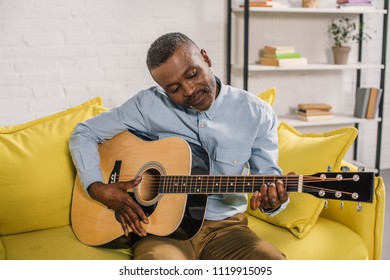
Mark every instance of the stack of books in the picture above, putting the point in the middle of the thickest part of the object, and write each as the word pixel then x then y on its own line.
pixel 367 102
pixel 314 111
pixel 345 4
pixel 264 4
pixel 273 55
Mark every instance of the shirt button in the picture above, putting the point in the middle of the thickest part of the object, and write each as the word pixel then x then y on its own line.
pixel 202 125
pixel 235 161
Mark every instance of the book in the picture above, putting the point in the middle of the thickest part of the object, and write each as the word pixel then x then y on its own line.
pixel 373 102
pixel 260 4
pixel 314 106
pixel 265 4
pixel 281 55
pixel 283 61
pixel 315 118
pixel 356 6
pixel 361 102
pixel 353 1
pixel 314 112
pixel 273 49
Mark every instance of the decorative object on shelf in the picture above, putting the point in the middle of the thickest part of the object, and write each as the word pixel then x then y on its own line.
pixel 310 3
pixel 343 32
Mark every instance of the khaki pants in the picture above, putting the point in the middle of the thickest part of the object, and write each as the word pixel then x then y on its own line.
pixel 229 239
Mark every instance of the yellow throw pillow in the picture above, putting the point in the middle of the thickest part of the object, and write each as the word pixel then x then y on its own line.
pixel 37 173
pixel 310 153
pixel 268 95
pixel 299 217
pixel 307 154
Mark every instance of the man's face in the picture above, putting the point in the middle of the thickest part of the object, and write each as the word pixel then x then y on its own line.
pixel 187 78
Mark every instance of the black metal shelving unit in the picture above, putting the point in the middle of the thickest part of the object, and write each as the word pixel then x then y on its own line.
pixel 246 11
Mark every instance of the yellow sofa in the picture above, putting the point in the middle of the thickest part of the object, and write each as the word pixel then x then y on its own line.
pixel 37 176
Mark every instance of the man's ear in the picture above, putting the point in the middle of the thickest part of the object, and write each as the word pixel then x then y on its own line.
pixel 206 57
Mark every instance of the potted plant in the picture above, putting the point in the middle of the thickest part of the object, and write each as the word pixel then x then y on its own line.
pixel 345 31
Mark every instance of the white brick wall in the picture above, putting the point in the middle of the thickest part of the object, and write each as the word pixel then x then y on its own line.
pixel 55 54
pixel 58 53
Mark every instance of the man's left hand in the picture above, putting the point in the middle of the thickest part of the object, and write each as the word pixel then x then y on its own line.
pixel 270 196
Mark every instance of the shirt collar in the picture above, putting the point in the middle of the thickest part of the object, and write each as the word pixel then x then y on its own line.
pixel 210 113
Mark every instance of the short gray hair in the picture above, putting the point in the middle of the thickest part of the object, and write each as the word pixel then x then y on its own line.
pixel 164 47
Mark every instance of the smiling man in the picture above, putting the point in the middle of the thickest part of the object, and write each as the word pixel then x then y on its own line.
pixel 227 129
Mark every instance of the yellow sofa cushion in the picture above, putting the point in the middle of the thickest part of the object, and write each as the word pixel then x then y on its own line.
pixel 299 217
pixel 37 173
pixel 310 153
pixel 268 95
pixel 56 244
pixel 320 244
pixel 371 216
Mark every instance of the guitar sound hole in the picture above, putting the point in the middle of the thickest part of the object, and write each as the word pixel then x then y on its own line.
pixel 147 191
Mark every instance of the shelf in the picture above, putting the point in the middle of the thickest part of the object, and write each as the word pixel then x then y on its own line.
pixel 250 69
pixel 313 10
pixel 310 66
pixel 337 120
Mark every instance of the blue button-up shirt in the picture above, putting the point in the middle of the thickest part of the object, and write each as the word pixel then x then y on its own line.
pixel 238 130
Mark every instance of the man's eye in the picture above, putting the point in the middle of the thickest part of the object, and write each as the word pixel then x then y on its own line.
pixel 192 74
pixel 173 90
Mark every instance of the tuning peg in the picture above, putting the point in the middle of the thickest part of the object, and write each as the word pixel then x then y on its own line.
pixel 345 168
pixel 342 205
pixel 361 169
pixel 359 207
pixel 326 203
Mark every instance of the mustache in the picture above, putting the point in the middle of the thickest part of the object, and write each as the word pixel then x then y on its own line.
pixel 199 92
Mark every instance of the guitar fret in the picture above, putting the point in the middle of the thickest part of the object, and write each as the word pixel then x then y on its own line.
pixel 166 182
pixel 181 183
pixel 209 185
pixel 223 185
pixel 185 184
pixel 230 186
pixel 170 184
pixel 204 184
pixel 199 185
pixel 161 184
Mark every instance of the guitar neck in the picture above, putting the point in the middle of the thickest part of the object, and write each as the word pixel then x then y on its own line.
pixel 339 186
pixel 206 184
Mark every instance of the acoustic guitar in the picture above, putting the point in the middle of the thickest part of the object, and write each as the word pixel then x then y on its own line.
pixel 174 200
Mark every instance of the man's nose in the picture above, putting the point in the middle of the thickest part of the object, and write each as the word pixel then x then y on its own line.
pixel 188 89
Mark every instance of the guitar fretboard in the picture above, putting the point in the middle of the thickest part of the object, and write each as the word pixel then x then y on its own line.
pixel 205 184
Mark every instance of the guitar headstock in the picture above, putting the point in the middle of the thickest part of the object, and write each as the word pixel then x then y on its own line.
pixel 348 186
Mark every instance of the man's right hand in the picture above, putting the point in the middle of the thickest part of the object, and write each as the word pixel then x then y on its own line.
pixel 115 197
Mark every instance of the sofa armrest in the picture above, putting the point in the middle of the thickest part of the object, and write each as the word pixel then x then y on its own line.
pixel 368 223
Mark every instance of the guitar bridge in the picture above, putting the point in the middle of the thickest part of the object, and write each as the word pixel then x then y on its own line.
pixel 114 176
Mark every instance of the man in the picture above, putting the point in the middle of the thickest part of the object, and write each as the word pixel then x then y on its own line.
pixel 227 129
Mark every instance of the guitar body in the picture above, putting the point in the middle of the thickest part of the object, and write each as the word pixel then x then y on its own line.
pixel 127 156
